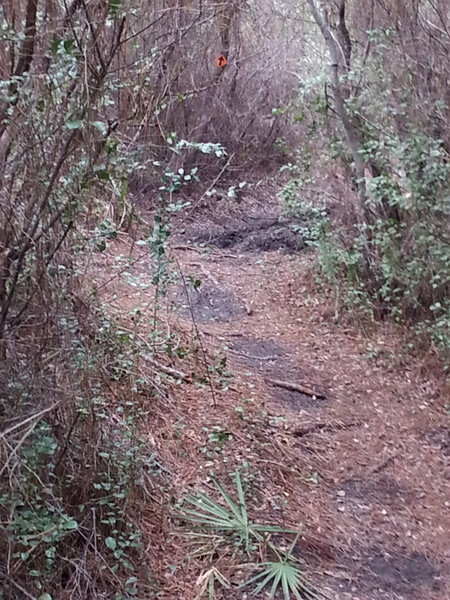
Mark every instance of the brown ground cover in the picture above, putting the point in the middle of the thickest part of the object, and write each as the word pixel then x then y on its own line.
pixel 363 471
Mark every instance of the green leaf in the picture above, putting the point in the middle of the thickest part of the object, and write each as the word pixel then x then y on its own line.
pixel 101 126
pixel 77 124
pixel 127 564
pixel 55 45
pixel 69 45
pixel 113 7
pixel 103 174
pixel 232 518
pixel 240 491
pixel 111 543
pixel 123 189
pixel 281 574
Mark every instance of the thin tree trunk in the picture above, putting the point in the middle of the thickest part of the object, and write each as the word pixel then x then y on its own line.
pixel 25 58
pixel 351 132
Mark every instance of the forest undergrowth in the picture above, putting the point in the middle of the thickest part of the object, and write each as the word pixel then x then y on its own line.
pixel 213 242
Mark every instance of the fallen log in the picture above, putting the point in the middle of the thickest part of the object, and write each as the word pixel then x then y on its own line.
pixel 297 387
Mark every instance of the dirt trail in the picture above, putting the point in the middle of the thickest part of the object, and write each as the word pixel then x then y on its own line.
pixel 375 451
pixel 364 470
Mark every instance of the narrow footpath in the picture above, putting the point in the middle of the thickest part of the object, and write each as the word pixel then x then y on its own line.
pixel 344 438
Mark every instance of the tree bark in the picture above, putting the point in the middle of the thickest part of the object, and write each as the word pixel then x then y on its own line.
pixel 351 132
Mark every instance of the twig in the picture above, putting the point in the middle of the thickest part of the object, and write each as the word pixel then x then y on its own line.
pixel 3 434
pixel 205 272
pixel 168 370
pixel 17 447
pixel 197 331
pixel 383 464
pixel 186 247
pixel 287 468
pixel 232 256
pixel 19 587
pixel 296 387
pixel 320 426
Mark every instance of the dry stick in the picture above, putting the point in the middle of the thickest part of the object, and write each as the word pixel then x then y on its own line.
pixel 27 238
pixel 67 440
pixel 169 370
pixel 296 387
pixel 19 587
pixel 37 415
pixel 17 447
pixel 94 36
pixel 186 247
pixel 197 332
pixel 42 275
pixel 383 464
pixel 201 250
pixel 315 427
pixel 205 272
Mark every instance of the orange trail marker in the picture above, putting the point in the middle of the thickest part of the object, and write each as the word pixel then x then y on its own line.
pixel 221 61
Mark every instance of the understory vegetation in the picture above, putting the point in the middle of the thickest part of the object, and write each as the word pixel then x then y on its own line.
pixel 113 111
pixel 375 130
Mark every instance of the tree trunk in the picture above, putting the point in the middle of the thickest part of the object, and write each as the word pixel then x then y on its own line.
pixel 352 134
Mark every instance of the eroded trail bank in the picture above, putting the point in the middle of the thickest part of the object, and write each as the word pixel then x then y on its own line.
pixel 359 461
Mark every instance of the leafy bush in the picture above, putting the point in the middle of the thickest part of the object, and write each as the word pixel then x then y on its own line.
pixel 398 264
pixel 74 462
pixel 74 473
pixel 376 145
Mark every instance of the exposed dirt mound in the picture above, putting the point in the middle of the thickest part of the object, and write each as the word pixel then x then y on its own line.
pixel 440 437
pixel 254 352
pixel 362 493
pixel 265 235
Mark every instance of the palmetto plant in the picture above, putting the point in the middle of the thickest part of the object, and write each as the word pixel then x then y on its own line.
pixel 280 574
pixel 207 582
pixel 283 573
pixel 230 519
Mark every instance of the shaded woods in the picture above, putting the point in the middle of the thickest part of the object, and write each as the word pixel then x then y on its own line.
pixel 116 116
pixel 378 122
